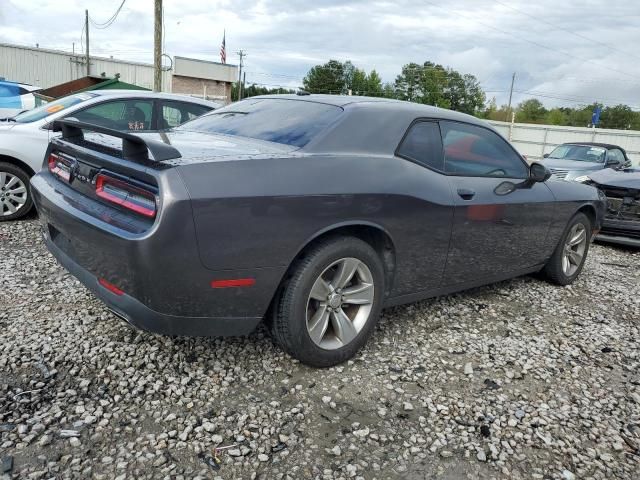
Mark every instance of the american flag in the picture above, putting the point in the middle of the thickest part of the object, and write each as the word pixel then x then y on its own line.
pixel 223 49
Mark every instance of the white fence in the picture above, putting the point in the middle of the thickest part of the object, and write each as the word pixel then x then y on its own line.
pixel 536 140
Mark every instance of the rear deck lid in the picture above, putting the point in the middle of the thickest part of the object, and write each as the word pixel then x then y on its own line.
pixel 195 147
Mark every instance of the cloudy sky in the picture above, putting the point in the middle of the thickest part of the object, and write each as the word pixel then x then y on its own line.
pixel 564 52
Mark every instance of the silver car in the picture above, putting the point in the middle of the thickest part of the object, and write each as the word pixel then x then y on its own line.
pixel 24 137
pixel 571 161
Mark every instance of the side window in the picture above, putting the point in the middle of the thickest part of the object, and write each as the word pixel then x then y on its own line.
pixel 616 155
pixel 124 115
pixel 176 113
pixel 423 145
pixel 476 151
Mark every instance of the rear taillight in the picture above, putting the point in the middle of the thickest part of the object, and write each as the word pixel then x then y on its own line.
pixel 126 195
pixel 59 167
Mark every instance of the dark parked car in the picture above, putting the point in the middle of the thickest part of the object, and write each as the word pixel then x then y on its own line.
pixel 312 211
pixel 572 160
pixel 621 223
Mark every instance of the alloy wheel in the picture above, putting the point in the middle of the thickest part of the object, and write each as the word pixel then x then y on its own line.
pixel 13 194
pixel 574 249
pixel 340 303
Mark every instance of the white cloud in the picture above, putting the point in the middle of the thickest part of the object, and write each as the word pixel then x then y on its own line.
pixel 284 38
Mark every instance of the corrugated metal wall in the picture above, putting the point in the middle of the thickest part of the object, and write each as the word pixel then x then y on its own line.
pixel 536 140
pixel 46 68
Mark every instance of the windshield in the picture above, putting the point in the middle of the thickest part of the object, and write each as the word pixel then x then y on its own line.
pixel 52 107
pixel 581 153
pixel 291 122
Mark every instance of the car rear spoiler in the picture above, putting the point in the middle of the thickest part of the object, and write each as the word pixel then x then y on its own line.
pixel 134 148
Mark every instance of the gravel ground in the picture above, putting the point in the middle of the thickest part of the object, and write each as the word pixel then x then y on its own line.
pixel 519 380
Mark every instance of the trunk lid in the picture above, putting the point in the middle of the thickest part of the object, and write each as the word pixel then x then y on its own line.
pixel 196 147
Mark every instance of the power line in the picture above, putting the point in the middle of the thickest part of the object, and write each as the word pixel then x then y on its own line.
pixel 558 27
pixel 109 22
pixel 546 47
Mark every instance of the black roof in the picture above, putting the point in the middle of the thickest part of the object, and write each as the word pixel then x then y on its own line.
pixel 608 146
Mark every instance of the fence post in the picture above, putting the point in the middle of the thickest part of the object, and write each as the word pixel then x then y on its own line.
pixel 544 142
pixel 513 119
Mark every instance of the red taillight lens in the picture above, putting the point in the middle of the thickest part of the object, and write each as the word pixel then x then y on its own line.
pixel 126 195
pixel 110 286
pixel 59 167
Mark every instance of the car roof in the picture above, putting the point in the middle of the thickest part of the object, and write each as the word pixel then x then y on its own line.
pixel 145 93
pixel 608 146
pixel 381 104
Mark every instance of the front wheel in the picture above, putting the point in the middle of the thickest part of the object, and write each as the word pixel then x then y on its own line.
pixel 568 259
pixel 329 306
pixel 15 197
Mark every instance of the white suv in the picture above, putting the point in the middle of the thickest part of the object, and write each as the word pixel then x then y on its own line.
pixel 24 137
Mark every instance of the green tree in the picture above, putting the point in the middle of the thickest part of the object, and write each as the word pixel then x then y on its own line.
pixel 358 82
pixel 327 78
pixel 434 84
pixel 465 94
pixel 489 110
pixel 581 116
pixel 374 84
pixel 556 116
pixel 531 111
pixel 253 90
pixel 388 91
pixel 408 84
pixel 338 78
pixel 620 117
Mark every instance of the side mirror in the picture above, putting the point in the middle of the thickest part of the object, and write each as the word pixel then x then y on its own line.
pixel 546 155
pixel 539 173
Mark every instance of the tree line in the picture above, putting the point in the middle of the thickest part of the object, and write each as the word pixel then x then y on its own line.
pixel 434 84
pixel 620 117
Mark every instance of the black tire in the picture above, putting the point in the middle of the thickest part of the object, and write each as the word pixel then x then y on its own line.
pixel 553 271
pixel 24 178
pixel 288 322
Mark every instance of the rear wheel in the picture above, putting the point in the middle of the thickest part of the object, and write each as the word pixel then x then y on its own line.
pixel 568 259
pixel 329 307
pixel 15 197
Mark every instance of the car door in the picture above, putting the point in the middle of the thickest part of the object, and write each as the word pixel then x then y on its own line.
pixel 173 113
pixel 500 220
pixel 429 229
pixel 127 115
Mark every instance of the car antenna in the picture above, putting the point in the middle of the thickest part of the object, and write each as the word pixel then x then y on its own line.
pixel 302 92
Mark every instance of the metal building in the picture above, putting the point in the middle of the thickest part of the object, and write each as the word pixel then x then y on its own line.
pixel 46 68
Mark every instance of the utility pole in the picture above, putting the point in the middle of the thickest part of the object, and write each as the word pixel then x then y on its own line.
pixel 157 47
pixel 242 55
pixel 86 31
pixel 513 79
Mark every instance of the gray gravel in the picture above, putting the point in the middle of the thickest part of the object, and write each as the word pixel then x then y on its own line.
pixel 519 380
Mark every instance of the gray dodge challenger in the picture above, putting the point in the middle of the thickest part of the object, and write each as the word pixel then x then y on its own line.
pixel 311 212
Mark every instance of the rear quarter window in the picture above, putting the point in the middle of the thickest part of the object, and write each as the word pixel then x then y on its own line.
pixel 423 145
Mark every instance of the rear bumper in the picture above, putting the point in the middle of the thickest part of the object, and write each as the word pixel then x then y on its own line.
pixel 163 286
pixel 143 317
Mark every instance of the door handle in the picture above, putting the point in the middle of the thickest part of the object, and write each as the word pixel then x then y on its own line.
pixel 466 194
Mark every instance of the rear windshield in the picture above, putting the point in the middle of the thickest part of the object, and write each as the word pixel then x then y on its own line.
pixel 52 107
pixel 291 122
